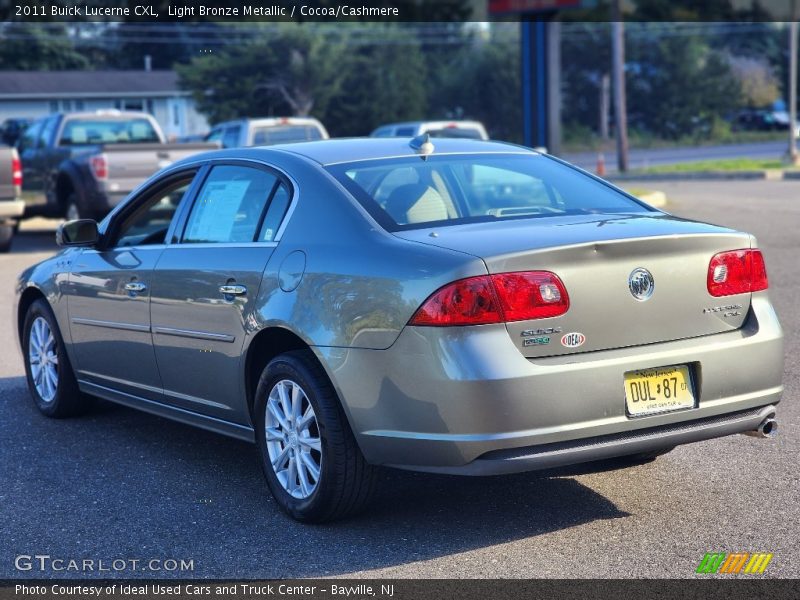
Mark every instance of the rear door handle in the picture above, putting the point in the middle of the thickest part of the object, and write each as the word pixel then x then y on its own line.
pixel 135 287
pixel 232 290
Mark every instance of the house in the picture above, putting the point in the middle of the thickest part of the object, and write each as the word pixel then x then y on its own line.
pixel 36 94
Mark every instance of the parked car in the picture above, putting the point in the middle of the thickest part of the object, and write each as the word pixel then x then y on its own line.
pixel 763 120
pixel 84 164
pixel 453 129
pixel 11 205
pixel 12 129
pixel 345 304
pixel 267 132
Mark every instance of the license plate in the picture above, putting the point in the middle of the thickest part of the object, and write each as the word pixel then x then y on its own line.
pixel 658 390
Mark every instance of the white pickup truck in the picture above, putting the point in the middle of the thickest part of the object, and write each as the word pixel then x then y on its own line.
pixel 11 204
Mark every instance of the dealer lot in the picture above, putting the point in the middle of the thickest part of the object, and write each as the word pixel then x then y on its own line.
pixel 123 484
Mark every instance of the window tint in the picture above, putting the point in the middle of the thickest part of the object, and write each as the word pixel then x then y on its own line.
pixel 230 205
pixel 275 213
pixel 456 132
pixel 404 132
pixel 231 137
pixel 406 193
pixel 108 131
pixel 149 224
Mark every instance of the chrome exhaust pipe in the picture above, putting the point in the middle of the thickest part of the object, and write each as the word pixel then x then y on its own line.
pixel 767 429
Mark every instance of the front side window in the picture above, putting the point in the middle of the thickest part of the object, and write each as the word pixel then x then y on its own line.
pixel 108 131
pixel 407 193
pixel 231 206
pixel 149 223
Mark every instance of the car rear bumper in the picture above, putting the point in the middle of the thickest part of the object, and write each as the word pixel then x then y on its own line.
pixel 11 209
pixel 465 400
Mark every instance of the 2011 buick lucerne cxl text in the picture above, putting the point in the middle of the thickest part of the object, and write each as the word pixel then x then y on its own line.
pixel 442 305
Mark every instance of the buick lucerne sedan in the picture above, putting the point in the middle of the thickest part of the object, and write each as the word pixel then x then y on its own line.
pixel 441 305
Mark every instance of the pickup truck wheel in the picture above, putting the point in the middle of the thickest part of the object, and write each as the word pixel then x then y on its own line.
pixel 51 381
pixel 6 235
pixel 311 461
pixel 71 210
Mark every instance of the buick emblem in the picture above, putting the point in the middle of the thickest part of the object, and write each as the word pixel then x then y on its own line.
pixel 641 284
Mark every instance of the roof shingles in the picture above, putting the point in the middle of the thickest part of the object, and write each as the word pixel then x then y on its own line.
pixel 57 83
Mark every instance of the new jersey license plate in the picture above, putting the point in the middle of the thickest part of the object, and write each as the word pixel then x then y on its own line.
pixel 658 390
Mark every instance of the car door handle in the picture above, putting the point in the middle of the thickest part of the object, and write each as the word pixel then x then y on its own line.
pixel 232 290
pixel 135 287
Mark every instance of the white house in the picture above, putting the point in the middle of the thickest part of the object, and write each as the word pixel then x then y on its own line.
pixel 35 94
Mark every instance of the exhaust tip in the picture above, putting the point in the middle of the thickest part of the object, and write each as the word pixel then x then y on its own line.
pixel 769 428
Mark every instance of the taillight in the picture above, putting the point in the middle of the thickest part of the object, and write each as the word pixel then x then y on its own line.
pixel 498 298
pixel 99 166
pixel 737 272
pixel 16 172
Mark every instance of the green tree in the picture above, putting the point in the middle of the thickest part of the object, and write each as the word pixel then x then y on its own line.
pixel 27 47
pixel 383 83
pixel 289 72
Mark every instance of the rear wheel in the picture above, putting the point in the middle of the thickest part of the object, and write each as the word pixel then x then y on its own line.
pixel 71 210
pixel 6 235
pixel 51 381
pixel 310 458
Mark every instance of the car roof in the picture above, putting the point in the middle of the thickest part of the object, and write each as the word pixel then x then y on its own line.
pixel 329 152
pixel 346 150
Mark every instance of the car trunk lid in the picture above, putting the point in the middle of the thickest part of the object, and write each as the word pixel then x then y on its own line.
pixel 595 256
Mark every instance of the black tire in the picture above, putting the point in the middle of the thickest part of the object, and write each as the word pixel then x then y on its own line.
pixel 73 209
pixel 6 236
pixel 346 481
pixel 68 401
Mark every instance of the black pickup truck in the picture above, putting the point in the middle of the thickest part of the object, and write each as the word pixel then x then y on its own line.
pixel 81 165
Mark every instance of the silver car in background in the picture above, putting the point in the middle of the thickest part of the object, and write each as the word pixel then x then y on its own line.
pixel 441 305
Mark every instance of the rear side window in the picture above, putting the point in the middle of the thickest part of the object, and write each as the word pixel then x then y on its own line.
pixel 108 131
pixel 232 206
pixel 408 193
pixel 404 132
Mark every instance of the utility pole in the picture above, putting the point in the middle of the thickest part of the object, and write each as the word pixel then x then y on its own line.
pixel 605 103
pixel 793 84
pixel 618 81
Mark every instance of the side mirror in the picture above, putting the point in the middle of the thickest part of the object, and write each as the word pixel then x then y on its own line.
pixel 81 232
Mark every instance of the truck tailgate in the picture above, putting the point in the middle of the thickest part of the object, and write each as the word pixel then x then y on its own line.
pixel 130 164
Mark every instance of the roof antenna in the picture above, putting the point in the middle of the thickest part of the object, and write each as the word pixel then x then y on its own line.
pixel 422 145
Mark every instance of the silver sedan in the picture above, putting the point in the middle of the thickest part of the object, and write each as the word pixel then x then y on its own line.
pixel 442 305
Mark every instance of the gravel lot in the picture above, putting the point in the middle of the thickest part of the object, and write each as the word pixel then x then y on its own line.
pixel 122 484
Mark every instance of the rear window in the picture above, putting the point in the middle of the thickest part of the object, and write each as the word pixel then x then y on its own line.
pixel 108 131
pixel 456 132
pixel 409 193
pixel 285 134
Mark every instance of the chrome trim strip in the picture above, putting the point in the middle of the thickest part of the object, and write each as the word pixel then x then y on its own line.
pixel 111 325
pixel 197 335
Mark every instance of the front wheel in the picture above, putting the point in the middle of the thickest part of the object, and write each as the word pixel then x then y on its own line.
pixel 51 381
pixel 309 455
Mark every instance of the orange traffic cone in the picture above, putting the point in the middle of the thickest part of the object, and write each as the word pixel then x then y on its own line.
pixel 601 165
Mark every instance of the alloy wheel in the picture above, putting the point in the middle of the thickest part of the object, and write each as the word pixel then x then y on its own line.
pixel 43 359
pixel 293 440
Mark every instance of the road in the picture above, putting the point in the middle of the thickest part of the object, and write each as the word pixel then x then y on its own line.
pixel 643 158
pixel 122 484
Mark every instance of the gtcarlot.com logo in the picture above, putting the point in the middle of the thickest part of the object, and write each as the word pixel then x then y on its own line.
pixel 47 563
pixel 734 562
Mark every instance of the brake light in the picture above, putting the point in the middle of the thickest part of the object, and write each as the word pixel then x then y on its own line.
pixel 737 272
pixel 16 172
pixel 99 166
pixel 498 298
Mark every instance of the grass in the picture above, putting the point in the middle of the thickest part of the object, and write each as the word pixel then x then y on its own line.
pixel 725 164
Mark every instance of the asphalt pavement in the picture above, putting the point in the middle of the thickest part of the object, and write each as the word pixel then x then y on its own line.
pixel 119 484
